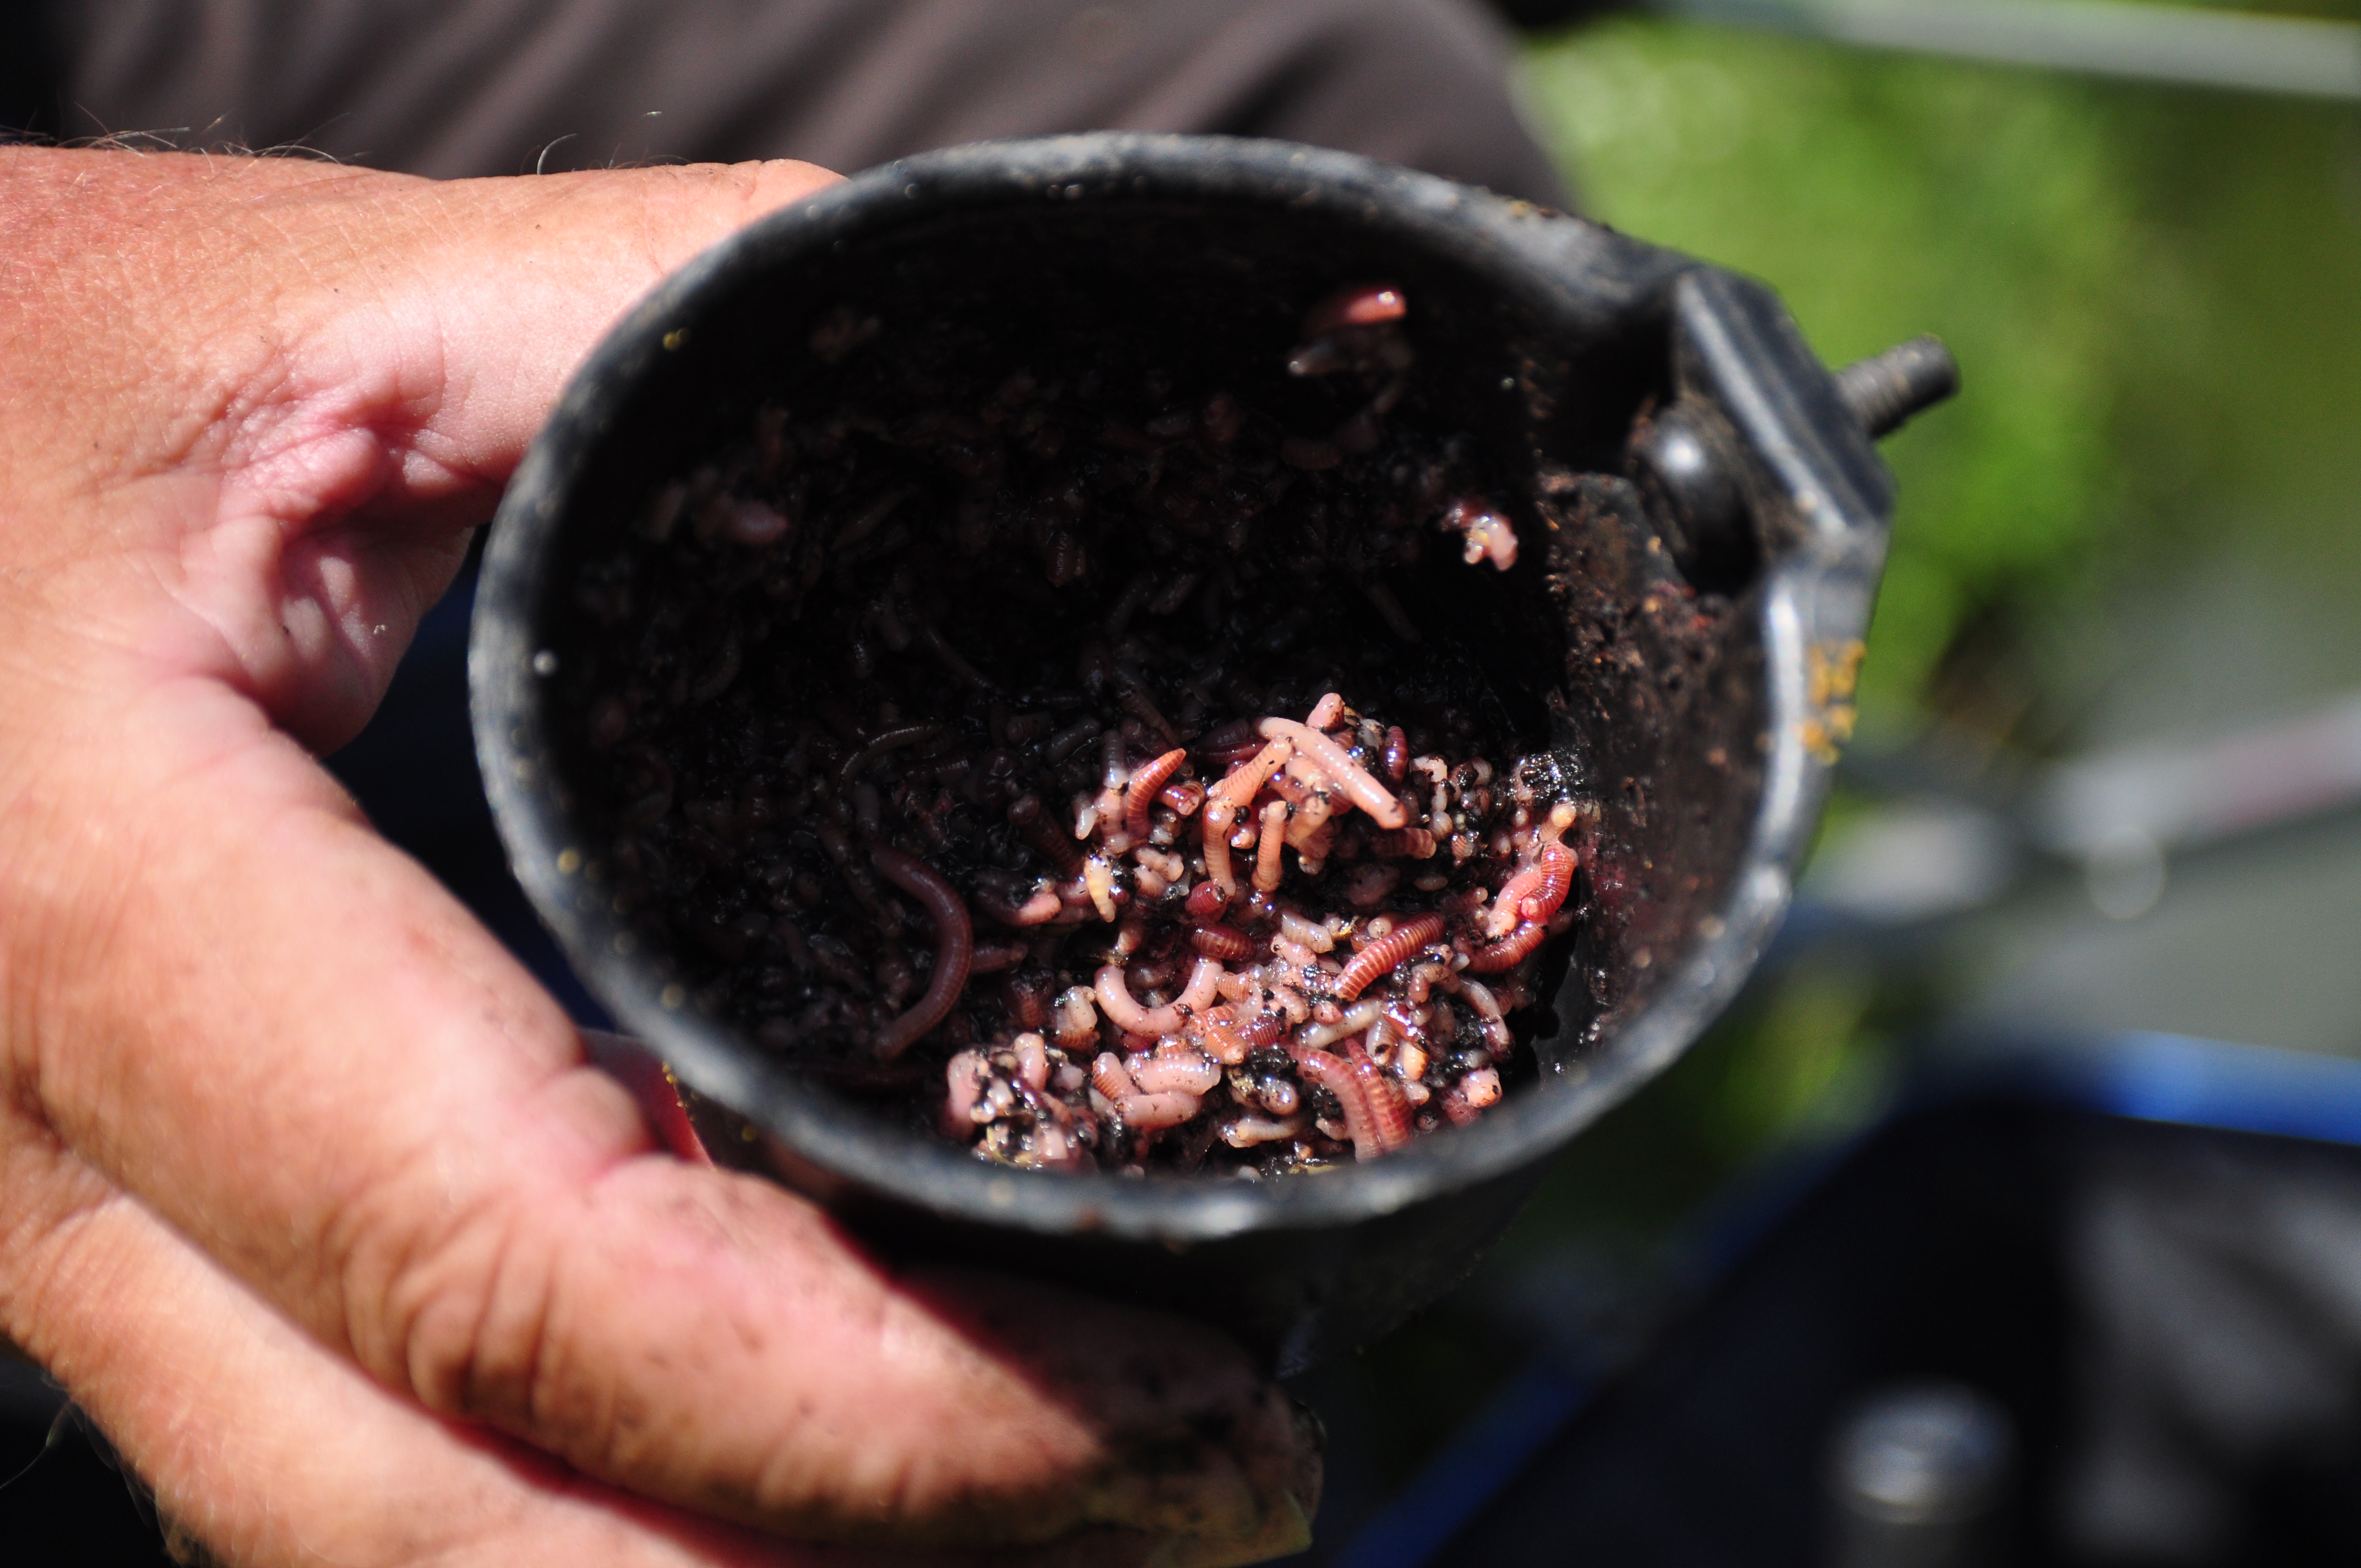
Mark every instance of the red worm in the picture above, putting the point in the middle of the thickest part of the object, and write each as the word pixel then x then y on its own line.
pixel 1397 754
pixel 1556 876
pixel 1231 742
pixel 1356 304
pixel 1220 941
pixel 1140 793
pixel 1380 956
pixel 1376 1114
pixel 1205 900
pixel 996 956
pixel 1025 812
pixel 1184 797
pixel 1413 843
pixel 1510 950
pixel 954 948
pixel 1262 1031
pixel 1542 885
pixel 1388 1106
pixel 1343 771
pixel 1213 1032
pixel 1116 1000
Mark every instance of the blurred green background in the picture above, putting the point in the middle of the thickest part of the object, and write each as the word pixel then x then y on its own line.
pixel 2141 517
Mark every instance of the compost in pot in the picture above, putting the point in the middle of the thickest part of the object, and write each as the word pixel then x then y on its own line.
pixel 1040 749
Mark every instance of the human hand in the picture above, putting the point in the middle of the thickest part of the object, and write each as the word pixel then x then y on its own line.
pixel 306 1192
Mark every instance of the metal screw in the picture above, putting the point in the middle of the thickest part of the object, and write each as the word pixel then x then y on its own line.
pixel 1885 390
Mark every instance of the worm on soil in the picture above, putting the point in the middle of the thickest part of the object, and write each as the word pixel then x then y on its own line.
pixel 1140 793
pixel 1213 1031
pixel 1147 1113
pixel 1244 1130
pixel 1078 1018
pixel 954 948
pixel 1224 942
pixel 1356 304
pixel 1267 870
pixel 1510 951
pixel 1115 998
pixel 1380 957
pixel 1319 1036
pixel 1183 1070
pixel 1239 787
pixel 1343 771
pixel 1376 1115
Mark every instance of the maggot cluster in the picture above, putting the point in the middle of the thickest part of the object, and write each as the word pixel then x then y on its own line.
pixel 1048 756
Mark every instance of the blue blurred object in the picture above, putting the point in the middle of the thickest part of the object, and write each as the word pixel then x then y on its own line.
pixel 2079 1096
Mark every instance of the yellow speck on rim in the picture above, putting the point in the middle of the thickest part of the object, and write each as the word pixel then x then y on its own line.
pixel 569 861
pixel 1000 1193
pixel 673 995
pixel 676 337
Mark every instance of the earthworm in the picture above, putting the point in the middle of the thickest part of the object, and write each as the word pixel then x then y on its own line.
pixel 1147 1113
pixel 1409 1061
pixel 1032 1060
pixel 1128 603
pixel 1278 1096
pixel 1268 870
pixel 1263 1030
pixel 1346 774
pixel 991 959
pixel 1305 825
pixel 1185 1069
pixel 1534 892
pixel 1404 843
pixel 954 948
pixel 1141 792
pixel 1245 1129
pixel 1098 876
pixel 1358 304
pixel 1114 997
pixel 1078 1018
pixel 1219 941
pixel 1397 754
pixel 839 845
pixel 1132 698
pixel 1112 769
pixel 1220 1041
pixel 1380 957
pixel 1374 1113
pixel 1033 825
pixel 1318 1037
pixel 1209 898
pixel 1326 712
pixel 1040 907
pixel 964 1076
pixel 1070 739
pixel 1242 783
pixel 1510 950
pixel 953 661
pixel 1492 1020
pixel 1310 933
pixel 1389 1109
pixel 1185 796
pixel 1110 1077
pixel 1292 953
pixel 1232 743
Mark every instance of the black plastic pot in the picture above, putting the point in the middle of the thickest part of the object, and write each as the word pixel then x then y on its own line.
pixel 1731 461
